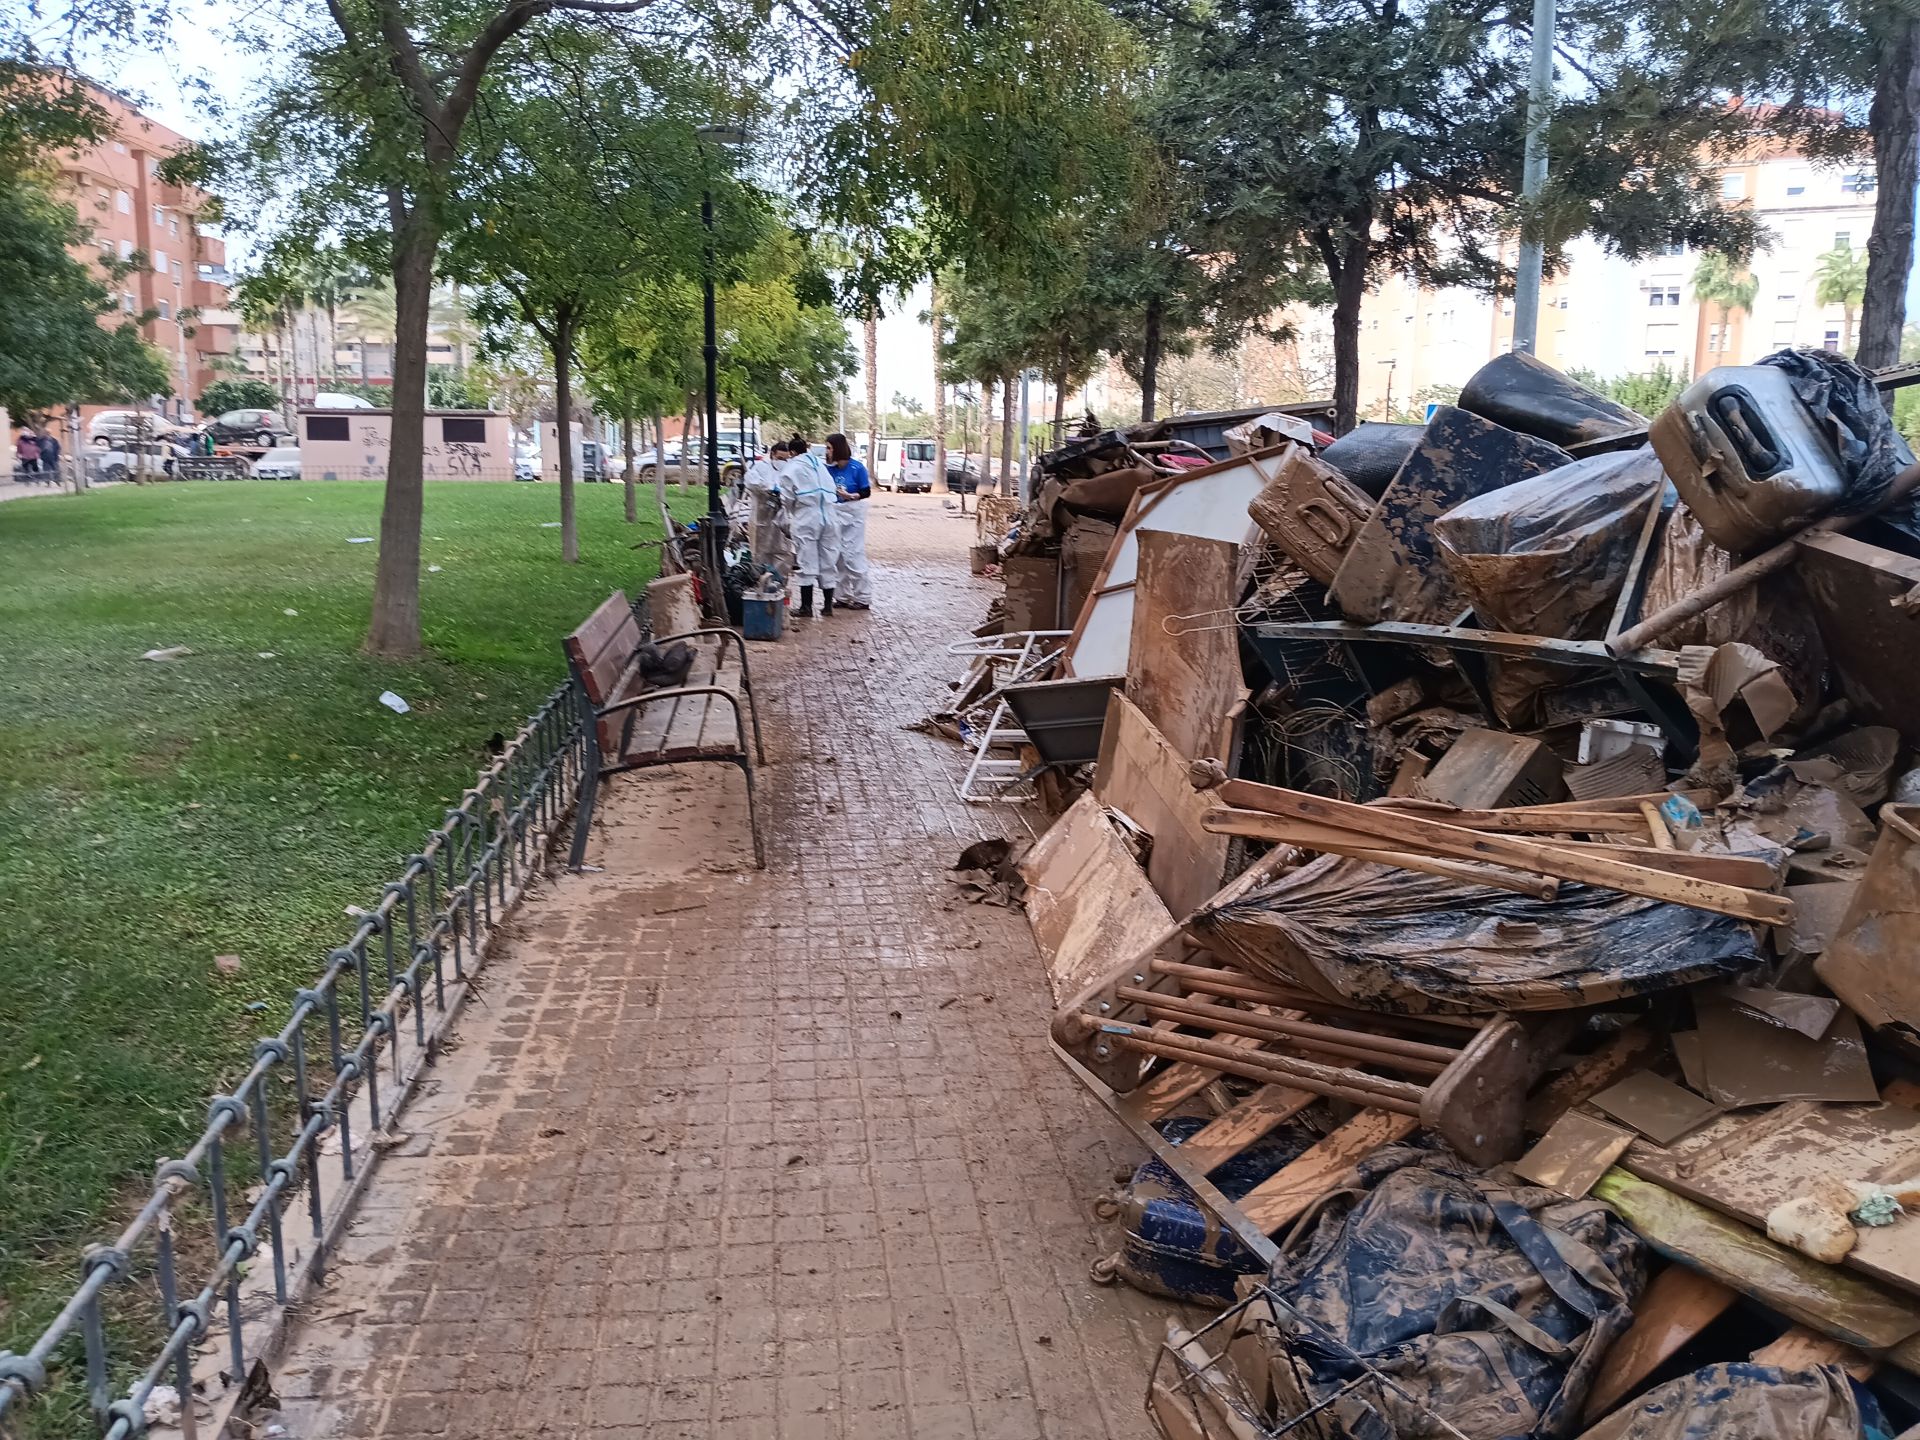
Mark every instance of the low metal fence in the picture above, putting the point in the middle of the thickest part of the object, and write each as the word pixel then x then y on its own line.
pixel 411 954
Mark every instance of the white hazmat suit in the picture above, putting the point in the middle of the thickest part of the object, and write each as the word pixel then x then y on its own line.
pixel 811 496
pixel 768 538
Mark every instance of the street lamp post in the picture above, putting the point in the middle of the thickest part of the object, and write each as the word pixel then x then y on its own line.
pixel 716 526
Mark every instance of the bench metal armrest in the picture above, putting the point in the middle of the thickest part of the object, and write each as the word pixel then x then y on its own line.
pixel 633 701
pixel 725 632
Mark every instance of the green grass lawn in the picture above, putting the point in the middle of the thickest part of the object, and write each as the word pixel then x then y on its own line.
pixel 154 815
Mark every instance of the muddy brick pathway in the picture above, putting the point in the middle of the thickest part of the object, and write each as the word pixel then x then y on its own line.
pixel 720 1153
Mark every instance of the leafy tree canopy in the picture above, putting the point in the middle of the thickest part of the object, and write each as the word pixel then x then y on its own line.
pixel 224 395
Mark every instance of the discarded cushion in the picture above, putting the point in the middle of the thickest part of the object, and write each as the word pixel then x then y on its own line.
pixel 1742 1399
pixel 1384 938
pixel 1489 1304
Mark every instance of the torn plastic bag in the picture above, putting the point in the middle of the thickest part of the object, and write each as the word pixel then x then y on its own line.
pixel 1489 1303
pixel 1383 938
pixel 1371 454
pixel 1527 394
pixel 1821 1402
pixel 1108 493
pixel 1547 556
pixel 1847 407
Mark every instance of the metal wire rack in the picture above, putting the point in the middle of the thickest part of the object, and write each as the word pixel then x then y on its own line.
pixel 1261 1371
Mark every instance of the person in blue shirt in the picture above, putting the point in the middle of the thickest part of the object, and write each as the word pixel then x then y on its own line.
pixel 854 488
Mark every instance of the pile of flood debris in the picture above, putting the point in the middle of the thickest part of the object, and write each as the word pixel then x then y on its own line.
pixel 1485 874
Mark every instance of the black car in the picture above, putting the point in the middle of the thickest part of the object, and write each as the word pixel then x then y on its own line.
pixel 963 476
pixel 262 428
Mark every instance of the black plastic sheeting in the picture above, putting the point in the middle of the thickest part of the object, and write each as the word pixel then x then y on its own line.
pixel 1530 396
pixel 1743 1399
pixel 1491 1304
pixel 1383 938
pixel 1371 454
pixel 1847 408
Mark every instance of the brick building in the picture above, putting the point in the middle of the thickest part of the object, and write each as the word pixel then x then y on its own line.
pixel 181 282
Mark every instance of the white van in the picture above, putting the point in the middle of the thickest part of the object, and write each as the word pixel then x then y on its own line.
pixel 915 470
pixel 886 452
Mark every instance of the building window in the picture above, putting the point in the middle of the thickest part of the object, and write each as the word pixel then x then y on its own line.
pixel 1831 341
pixel 1782 333
pixel 1662 339
pixel 119 147
pixel 1658 297
pixel 1563 305
pixel 159 262
pixel 1733 186
pixel 1796 190
pixel 173 227
pixel 1784 287
pixel 463 430
pixel 159 217
pixel 1713 337
pixel 126 250
pixel 1671 252
pixel 126 301
pixel 166 312
pixel 328 427
pixel 1859 182
pixel 123 202
pixel 1843 240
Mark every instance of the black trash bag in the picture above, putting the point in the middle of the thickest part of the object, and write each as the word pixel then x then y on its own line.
pixel 1382 938
pixel 1821 1402
pixel 1526 394
pixel 1846 408
pixel 1489 1303
pixel 1371 454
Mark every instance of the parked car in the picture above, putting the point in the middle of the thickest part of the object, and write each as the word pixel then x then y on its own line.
pixel 263 428
pixel 694 457
pixel 110 427
pixel 282 462
pixel 526 462
pixel 119 462
pixel 963 476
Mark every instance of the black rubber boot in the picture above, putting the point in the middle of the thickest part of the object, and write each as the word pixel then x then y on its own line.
pixel 826 595
pixel 805 612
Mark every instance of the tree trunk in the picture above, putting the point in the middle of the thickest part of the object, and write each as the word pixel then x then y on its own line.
pixel 873 385
pixel 1060 408
pixel 1006 436
pixel 563 403
pixel 626 445
pixel 1847 313
pixel 1349 290
pixel 660 459
pixel 1895 123
pixel 366 374
pixel 939 394
pixel 1150 360
pixel 986 433
pixel 395 631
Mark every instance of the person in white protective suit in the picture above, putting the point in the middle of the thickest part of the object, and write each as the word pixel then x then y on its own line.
pixel 855 489
pixel 767 522
pixel 810 496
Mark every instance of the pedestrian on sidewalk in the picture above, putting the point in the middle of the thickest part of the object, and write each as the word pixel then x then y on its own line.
pixel 810 495
pixel 853 487
pixel 49 444
pixel 766 526
pixel 26 452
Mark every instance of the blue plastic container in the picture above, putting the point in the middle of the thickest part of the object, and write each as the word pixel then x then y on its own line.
pixel 763 619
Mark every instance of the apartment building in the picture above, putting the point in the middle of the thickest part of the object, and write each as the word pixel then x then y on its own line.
pixel 1617 317
pixel 181 280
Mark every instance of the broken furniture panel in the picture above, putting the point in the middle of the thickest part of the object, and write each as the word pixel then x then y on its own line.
pixel 1873 959
pixel 1143 777
pixel 1489 769
pixel 1087 898
pixel 1393 571
pixel 1863 599
pixel 1185 652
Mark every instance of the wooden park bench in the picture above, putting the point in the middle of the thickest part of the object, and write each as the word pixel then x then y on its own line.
pixel 633 728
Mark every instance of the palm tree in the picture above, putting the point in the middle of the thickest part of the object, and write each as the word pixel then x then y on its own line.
pixel 1717 281
pixel 370 311
pixel 1840 279
pixel 447 317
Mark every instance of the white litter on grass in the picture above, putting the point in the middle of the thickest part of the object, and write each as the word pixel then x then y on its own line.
pixel 162 1406
pixel 394 703
pixel 549 524
pixel 359 540
pixel 263 655
pixel 433 569
pixel 289 612
pixel 172 652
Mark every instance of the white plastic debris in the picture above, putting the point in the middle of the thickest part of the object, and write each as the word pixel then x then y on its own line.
pixel 163 1406
pixel 433 569
pixel 263 655
pixel 172 652
pixel 394 703
pixel 359 540
pixel 289 612
pixel 549 524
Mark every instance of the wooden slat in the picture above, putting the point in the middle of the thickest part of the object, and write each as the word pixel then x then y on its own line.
pixel 1407 831
pixel 1678 1305
pixel 602 644
pixel 1800 1349
pixel 1175 1084
pixel 1262 1112
pixel 1621 1054
pixel 1284 1197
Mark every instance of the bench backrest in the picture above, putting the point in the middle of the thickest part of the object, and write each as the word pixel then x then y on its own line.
pixel 602 646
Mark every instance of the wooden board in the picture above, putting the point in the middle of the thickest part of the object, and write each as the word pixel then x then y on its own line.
pixel 1184 665
pixel 1087 900
pixel 1265 1110
pixel 603 644
pixel 1745 1164
pixel 1802 1349
pixel 1846 579
pixel 1284 1197
pixel 1415 832
pixel 1677 1306
pixel 1145 778
pixel 671 606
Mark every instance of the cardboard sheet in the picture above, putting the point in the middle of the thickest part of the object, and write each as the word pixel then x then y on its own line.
pixel 1090 905
pixel 1573 1154
pixel 1749 1060
pixel 1659 1109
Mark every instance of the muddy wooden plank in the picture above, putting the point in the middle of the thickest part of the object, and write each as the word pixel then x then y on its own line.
pixel 1677 1306
pixel 1184 665
pixel 1087 899
pixel 1619 1054
pixel 1173 1085
pixel 1801 1349
pixel 1145 778
pixel 1262 1112
pixel 1282 1198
